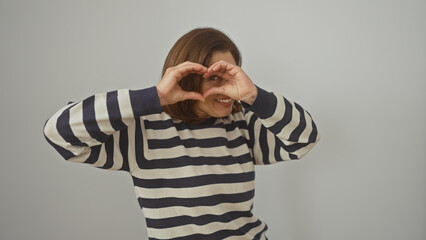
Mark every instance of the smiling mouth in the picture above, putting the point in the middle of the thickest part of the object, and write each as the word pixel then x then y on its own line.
pixel 224 100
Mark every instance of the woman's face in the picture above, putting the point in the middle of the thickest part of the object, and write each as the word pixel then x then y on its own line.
pixel 215 105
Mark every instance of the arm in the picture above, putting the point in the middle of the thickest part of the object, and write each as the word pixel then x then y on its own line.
pixel 98 130
pixel 279 129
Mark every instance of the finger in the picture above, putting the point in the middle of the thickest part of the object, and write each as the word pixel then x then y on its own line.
pixel 222 69
pixel 193 68
pixel 184 70
pixel 217 67
pixel 194 65
pixel 193 96
pixel 223 75
pixel 220 73
pixel 221 66
pixel 208 75
pixel 215 90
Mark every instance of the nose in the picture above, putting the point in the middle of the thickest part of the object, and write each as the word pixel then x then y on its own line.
pixel 220 82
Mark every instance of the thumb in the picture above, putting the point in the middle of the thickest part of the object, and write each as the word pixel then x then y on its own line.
pixel 193 96
pixel 215 90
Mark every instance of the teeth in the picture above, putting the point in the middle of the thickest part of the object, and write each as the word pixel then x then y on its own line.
pixel 224 100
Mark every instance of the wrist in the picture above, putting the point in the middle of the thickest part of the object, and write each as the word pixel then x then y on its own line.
pixel 161 97
pixel 251 97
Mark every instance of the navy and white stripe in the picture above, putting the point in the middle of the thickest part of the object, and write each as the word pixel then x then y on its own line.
pixel 192 181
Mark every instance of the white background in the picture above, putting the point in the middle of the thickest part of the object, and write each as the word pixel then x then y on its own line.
pixel 359 68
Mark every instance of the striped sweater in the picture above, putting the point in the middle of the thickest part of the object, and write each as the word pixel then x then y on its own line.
pixel 192 181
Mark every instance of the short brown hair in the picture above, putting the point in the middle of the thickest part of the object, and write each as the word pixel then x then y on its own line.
pixel 197 46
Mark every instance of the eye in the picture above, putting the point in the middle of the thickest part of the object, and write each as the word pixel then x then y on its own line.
pixel 213 78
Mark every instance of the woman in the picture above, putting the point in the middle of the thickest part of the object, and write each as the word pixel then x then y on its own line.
pixel 190 143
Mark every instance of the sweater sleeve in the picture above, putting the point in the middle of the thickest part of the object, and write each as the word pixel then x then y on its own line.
pixel 279 129
pixel 100 129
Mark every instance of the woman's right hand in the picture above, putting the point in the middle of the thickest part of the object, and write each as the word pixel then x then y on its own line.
pixel 168 88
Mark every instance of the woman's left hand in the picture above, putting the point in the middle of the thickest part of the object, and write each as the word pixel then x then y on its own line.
pixel 237 85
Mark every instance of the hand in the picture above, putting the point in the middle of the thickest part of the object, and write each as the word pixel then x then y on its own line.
pixel 237 84
pixel 168 88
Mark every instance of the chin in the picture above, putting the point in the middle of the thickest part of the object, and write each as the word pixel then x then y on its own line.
pixel 214 110
pixel 223 114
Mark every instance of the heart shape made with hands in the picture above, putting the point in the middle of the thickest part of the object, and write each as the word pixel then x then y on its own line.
pixel 234 83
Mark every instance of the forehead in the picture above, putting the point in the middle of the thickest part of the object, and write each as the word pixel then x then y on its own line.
pixel 225 56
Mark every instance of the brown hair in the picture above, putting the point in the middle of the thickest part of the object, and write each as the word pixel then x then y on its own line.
pixel 197 46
